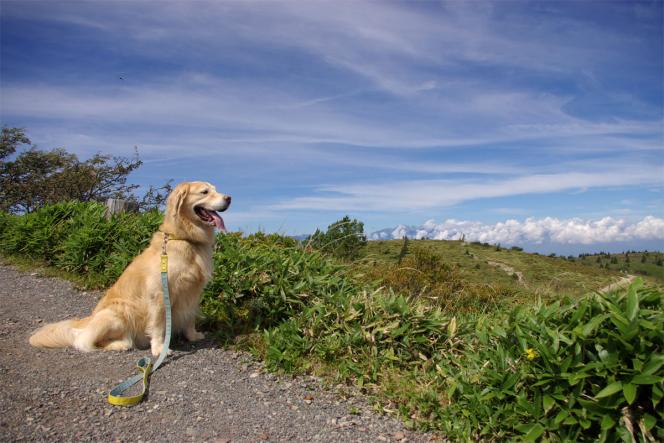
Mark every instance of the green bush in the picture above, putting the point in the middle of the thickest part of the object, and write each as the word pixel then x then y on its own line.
pixel 76 238
pixel 425 274
pixel 261 280
pixel 41 233
pixel 343 239
pixel 591 370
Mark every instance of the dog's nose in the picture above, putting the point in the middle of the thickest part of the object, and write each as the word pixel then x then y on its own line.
pixel 227 199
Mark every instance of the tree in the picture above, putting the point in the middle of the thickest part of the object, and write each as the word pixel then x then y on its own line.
pixel 155 197
pixel 36 178
pixel 11 138
pixel 344 239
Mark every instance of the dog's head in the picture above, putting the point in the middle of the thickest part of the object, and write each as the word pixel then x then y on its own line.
pixel 198 203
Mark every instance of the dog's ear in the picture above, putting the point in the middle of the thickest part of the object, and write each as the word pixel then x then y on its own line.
pixel 177 197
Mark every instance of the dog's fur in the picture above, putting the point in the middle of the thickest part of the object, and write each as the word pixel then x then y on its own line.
pixel 131 313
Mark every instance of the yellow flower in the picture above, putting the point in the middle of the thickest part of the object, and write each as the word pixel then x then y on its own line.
pixel 531 354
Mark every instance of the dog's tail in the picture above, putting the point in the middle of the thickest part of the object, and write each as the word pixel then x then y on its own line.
pixel 58 335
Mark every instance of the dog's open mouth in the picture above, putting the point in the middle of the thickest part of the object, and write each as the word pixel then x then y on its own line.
pixel 210 217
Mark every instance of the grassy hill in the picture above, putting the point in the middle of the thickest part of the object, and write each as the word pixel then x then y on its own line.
pixel 648 264
pixel 517 276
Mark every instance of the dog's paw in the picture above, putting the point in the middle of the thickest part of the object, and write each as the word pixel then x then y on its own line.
pixel 156 349
pixel 194 336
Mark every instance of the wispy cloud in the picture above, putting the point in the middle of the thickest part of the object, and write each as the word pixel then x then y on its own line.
pixel 417 195
pixel 234 110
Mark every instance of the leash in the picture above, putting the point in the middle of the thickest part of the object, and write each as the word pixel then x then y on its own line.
pixel 144 365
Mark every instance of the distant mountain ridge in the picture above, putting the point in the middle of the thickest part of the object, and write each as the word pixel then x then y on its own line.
pixel 545 236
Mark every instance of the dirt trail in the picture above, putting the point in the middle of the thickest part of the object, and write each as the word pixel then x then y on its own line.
pixel 621 283
pixel 508 269
pixel 201 393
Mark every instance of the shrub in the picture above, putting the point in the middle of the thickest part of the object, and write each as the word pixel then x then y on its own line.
pixel 76 238
pixel 343 239
pixel 424 274
pixel 261 280
pixel 583 371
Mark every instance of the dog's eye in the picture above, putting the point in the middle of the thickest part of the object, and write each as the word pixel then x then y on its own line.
pixel 205 191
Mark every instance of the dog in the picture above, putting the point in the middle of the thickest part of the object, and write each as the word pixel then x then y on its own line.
pixel 131 313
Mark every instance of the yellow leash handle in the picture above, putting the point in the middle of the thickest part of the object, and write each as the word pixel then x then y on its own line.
pixel 115 397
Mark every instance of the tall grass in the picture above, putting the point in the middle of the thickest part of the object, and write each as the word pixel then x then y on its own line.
pixel 588 369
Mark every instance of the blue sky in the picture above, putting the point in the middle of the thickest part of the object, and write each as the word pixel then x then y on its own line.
pixel 392 112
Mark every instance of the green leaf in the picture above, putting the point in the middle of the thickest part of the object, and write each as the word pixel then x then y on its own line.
pixel 547 403
pixel 532 431
pixel 570 421
pixel 632 308
pixel 657 394
pixel 589 327
pixel 562 415
pixel 646 379
pixel 610 389
pixel 607 422
pixel 649 421
pixel 629 391
pixel 655 362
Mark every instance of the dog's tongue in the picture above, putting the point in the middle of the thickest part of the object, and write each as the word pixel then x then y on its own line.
pixel 218 221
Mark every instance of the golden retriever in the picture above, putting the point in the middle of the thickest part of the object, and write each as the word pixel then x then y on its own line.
pixel 131 313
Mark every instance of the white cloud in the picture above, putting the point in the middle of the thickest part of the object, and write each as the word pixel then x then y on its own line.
pixel 534 230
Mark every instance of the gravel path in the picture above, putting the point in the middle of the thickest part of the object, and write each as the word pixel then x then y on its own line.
pixel 201 393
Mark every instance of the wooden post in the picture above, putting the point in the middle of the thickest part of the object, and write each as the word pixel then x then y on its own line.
pixel 115 205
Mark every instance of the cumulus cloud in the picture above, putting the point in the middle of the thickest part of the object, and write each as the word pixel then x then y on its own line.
pixel 534 230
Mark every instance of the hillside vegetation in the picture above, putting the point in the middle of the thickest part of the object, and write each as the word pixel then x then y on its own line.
pixel 479 277
pixel 644 263
pixel 476 353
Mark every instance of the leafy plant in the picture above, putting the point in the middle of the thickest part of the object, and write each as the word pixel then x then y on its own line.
pixel 590 370
pixel 343 239
pixel 76 238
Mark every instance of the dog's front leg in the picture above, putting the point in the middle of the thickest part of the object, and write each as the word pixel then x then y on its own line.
pixel 156 328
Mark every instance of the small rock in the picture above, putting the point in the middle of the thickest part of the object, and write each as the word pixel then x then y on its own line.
pixel 263 436
pixel 399 435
